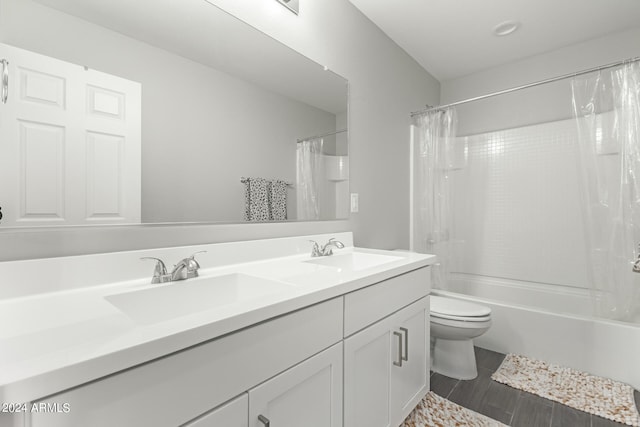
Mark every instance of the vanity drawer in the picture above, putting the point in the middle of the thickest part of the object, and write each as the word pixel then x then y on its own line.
pixel 368 305
pixel 174 389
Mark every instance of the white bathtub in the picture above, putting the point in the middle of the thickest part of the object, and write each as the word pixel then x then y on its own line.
pixel 552 323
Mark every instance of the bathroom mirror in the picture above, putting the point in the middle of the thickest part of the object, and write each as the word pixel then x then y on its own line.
pixel 219 101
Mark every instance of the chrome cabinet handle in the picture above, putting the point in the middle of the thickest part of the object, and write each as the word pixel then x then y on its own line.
pixel 406 344
pixel 264 420
pixel 5 80
pixel 400 359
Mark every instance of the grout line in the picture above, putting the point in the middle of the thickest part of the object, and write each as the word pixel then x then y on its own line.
pixel 453 388
pixel 515 408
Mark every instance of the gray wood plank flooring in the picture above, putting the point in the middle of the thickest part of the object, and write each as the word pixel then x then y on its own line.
pixel 509 405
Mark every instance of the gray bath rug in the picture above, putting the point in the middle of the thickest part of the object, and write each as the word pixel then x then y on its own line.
pixel 436 411
pixel 598 396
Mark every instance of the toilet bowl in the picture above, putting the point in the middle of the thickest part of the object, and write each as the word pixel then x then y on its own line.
pixel 454 324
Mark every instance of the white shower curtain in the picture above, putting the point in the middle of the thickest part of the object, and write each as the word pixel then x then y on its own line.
pixel 309 178
pixel 433 156
pixel 607 111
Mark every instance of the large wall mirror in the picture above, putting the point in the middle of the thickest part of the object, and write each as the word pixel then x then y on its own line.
pixel 163 111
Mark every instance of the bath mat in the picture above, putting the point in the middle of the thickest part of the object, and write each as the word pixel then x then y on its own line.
pixel 596 395
pixel 436 411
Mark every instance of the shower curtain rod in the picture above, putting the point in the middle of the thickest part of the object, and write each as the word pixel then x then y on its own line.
pixel 538 83
pixel 321 135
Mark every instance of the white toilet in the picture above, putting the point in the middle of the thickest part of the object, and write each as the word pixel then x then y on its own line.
pixel 454 324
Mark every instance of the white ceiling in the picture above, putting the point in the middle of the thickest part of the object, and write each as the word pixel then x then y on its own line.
pixel 453 38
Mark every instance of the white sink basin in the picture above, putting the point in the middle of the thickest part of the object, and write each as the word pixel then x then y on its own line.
pixel 354 261
pixel 181 298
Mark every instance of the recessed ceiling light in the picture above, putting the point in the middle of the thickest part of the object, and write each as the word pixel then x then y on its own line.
pixel 505 28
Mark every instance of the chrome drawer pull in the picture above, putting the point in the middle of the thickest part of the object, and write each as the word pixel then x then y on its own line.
pixel 400 359
pixel 264 420
pixel 406 344
pixel 5 80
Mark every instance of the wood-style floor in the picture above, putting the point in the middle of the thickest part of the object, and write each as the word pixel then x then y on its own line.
pixel 509 405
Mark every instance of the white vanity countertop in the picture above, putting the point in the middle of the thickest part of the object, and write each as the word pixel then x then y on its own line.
pixel 54 341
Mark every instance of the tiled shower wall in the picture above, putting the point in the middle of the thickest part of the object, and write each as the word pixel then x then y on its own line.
pixel 516 205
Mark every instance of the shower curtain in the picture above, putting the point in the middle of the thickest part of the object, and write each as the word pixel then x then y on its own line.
pixel 607 111
pixel 433 157
pixel 309 177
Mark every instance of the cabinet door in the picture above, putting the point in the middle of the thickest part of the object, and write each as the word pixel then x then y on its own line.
pixel 367 369
pixel 410 381
pixel 232 414
pixel 309 394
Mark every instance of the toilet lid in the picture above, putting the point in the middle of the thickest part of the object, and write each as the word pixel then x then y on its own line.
pixel 454 308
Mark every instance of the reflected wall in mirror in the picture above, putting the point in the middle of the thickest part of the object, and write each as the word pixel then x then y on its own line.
pixel 218 101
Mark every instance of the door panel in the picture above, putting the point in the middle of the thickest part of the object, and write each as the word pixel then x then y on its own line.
pixel 42 88
pixel 309 394
pixel 409 382
pixel 105 176
pixel 40 172
pixel 367 361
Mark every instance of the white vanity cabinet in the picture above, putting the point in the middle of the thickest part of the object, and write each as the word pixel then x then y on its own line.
pixel 309 394
pixel 181 387
pixel 386 364
pixel 360 358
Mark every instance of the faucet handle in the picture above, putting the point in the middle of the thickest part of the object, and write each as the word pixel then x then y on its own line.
pixel 193 265
pixel 196 253
pixel 160 267
pixel 160 270
pixel 315 249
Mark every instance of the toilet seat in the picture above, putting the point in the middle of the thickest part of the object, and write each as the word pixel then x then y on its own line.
pixel 457 310
pixel 462 324
pixel 461 318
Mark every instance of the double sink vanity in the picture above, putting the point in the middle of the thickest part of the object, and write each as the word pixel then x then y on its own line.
pixel 266 335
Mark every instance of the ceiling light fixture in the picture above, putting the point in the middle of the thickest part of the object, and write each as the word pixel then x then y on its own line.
pixel 505 28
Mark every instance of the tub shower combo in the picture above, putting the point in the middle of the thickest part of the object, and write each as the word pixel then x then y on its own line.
pixel 530 197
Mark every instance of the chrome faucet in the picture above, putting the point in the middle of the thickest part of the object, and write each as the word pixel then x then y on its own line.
pixel 185 269
pixel 317 251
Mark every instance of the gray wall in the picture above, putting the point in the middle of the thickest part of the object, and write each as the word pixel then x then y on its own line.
pixel 385 86
pixel 202 129
pixel 581 56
